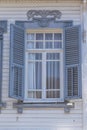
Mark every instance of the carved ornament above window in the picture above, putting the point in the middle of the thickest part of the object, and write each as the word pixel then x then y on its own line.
pixel 43 17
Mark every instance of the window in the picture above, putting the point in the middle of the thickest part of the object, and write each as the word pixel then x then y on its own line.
pixel 44 65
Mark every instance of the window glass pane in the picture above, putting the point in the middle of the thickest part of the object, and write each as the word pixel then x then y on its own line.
pixel 48 36
pixel 35 56
pixel 35 94
pixel 53 94
pixel 53 56
pixel 57 44
pixel 38 94
pixel 57 36
pixel 56 74
pixel 52 75
pixel 39 36
pixel 31 56
pixel 38 75
pixel 48 44
pixel 35 75
pixel 38 56
pixel 31 70
pixel 30 45
pixel 39 45
pixel 30 36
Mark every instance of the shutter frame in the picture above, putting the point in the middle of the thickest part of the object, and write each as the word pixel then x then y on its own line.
pixel 1 54
pixel 74 62
pixel 17 55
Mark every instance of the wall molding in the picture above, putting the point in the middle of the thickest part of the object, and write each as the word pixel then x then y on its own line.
pixel 64 23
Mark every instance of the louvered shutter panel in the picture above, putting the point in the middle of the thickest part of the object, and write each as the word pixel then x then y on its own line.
pixel 17 62
pixel 1 51
pixel 72 45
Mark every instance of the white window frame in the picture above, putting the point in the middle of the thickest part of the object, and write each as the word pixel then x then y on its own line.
pixel 61 99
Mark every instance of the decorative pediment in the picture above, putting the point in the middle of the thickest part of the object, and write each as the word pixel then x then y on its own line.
pixel 43 17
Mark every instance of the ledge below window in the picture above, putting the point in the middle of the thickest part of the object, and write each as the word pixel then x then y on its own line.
pixel 66 105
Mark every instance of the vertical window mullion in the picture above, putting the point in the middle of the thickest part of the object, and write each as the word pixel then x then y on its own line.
pixel 43 40
pixel 51 70
pixel 43 75
pixel 53 41
pixel 61 76
pixel 35 40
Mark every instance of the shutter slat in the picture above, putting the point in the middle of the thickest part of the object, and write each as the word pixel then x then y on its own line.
pixel 72 62
pixel 17 62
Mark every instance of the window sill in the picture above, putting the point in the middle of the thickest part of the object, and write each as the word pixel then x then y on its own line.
pixel 21 106
pixel 42 101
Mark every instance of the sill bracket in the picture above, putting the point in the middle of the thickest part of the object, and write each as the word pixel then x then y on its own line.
pixel 66 105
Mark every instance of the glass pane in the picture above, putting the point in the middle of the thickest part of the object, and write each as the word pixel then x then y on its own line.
pixel 39 36
pixel 38 94
pixel 56 56
pixel 38 75
pixel 35 75
pixel 56 74
pixel 48 36
pixel 34 94
pixel 30 45
pixel 35 56
pixel 52 75
pixel 53 56
pixel 39 44
pixel 57 44
pixel 38 56
pixel 31 69
pixel 48 45
pixel 57 36
pixel 53 94
pixel 31 56
pixel 30 36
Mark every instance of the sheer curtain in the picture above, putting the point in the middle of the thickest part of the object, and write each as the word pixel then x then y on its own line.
pixel 52 75
pixel 35 74
pixel 50 42
pixel 30 38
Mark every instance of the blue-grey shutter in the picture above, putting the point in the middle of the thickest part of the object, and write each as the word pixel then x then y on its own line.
pixel 17 62
pixel 1 51
pixel 72 45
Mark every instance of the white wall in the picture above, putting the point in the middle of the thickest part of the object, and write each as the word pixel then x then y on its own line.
pixel 84 65
pixel 36 119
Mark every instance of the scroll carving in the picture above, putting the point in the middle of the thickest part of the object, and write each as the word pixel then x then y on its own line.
pixel 43 17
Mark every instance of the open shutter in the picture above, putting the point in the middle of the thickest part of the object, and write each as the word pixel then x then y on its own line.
pixel 72 37
pixel 1 51
pixel 17 62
